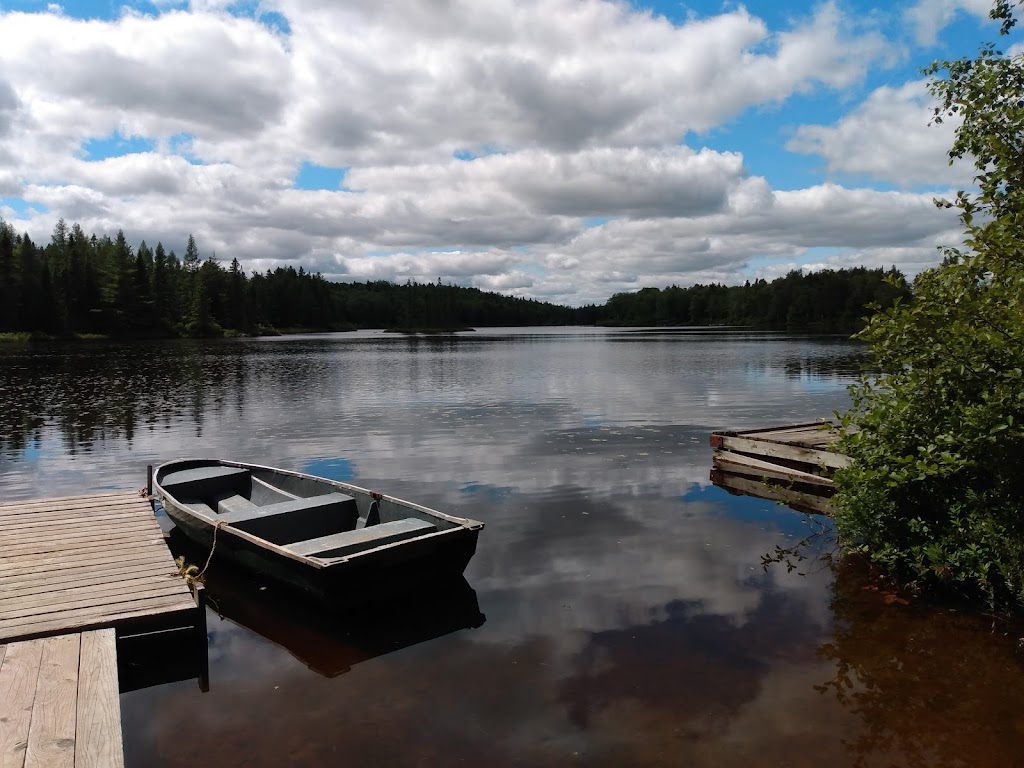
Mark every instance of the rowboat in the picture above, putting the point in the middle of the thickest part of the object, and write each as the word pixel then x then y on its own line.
pixel 334 541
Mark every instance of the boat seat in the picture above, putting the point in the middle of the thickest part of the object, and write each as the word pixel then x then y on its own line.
pixel 351 542
pixel 201 507
pixel 294 520
pixel 202 482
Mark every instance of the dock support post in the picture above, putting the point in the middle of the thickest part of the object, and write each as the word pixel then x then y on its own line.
pixel 202 647
pixel 149 479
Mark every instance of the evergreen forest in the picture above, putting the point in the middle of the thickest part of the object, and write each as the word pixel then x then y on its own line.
pixel 830 301
pixel 82 284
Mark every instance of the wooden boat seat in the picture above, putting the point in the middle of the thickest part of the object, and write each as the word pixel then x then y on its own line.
pixel 287 521
pixel 202 482
pixel 351 542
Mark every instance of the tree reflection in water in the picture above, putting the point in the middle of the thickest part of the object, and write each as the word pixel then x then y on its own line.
pixel 930 686
pixel 99 392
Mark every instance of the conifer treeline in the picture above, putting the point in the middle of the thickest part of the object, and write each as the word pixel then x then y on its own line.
pixel 830 301
pixel 84 284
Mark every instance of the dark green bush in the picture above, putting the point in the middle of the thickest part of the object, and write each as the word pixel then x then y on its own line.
pixel 937 436
pixel 937 431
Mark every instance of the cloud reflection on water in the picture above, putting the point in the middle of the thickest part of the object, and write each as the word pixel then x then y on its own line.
pixel 629 621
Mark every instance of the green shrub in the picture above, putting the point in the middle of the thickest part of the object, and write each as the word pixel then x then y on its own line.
pixel 937 432
pixel 937 436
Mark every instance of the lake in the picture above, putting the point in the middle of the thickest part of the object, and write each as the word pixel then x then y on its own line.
pixel 617 612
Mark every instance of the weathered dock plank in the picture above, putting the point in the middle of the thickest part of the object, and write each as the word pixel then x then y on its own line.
pixel 109 574
pixel 59 705
pixel 127 529
pixel 99 708
pixel 77 570
pixel 92 617
pixel 60 499
pixel 24 552
pixel 792 463
pixel 51 737
pixel 18 676
pixel 737 463
pixel 33 607
pixel 85 515
pixel 80 510
pixel 54 594
pixel 78 575
pixel 805 444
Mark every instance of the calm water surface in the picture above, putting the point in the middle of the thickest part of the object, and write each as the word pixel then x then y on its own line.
pixel 616 612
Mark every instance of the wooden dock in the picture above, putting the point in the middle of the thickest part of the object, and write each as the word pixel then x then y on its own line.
pixel 80 577
pixel 86 562
pixel 791 464
pixel 59 702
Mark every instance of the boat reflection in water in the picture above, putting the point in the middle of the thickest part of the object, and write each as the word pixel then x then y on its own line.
pixel 331 642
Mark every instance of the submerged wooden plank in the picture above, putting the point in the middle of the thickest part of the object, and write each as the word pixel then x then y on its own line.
pixel 98 734
pixel 758 468
pixel 802 502
pixel 51 738
pixel 18 676
pixel 810 456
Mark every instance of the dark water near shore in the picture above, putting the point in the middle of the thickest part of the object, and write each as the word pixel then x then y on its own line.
pixel 616 612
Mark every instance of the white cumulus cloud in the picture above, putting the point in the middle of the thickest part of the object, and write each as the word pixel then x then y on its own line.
pixel 536 147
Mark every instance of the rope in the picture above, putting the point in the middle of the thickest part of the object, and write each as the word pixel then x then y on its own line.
pixel 212 549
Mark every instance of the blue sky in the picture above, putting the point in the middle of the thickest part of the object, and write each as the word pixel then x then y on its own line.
pixel 559 149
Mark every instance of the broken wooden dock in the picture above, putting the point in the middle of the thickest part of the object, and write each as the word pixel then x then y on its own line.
pixel 792 464
pixel 79 577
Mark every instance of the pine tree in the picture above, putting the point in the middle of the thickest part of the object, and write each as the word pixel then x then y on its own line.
pixel 10 282
pixel 162 297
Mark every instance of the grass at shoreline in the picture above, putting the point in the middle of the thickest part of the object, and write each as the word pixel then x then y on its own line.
pixel 21 337
pixel 427 331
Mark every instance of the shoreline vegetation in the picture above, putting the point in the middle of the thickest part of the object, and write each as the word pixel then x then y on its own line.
pixel 933 496
pixel 85 286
